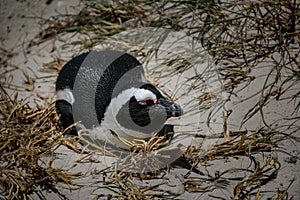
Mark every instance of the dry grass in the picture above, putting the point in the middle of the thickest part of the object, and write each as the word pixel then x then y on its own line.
pixel 239 35
pixel 28 135
pixel 242 144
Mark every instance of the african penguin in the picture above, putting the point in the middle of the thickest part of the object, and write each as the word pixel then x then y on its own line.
pixel 108 92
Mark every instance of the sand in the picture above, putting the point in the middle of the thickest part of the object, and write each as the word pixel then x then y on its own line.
pixel 20 23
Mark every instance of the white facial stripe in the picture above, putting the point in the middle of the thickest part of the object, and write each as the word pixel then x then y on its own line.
pixel 115 105
pixel 122 98
pixel 66 94
pixel 142 94
pixel 109 121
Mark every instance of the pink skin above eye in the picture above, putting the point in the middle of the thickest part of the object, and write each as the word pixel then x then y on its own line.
pixel 144 101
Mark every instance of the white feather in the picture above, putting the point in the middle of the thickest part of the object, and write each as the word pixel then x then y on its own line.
pixel 67 95
pixel 142 94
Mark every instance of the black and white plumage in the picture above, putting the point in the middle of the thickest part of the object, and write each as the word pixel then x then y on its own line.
pixel 107 91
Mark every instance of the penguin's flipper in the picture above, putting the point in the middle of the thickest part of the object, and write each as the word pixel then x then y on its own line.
pixel 64 108
pixel 167 131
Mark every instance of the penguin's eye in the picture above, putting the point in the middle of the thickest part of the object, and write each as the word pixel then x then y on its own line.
pixel 148 101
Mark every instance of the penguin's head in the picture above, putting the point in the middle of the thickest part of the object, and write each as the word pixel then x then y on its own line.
pixel 146 110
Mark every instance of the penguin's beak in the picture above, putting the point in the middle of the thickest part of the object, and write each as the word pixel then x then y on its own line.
pixel 173 109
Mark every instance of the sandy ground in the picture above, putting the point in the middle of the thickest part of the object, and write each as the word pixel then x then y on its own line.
pixel 20 23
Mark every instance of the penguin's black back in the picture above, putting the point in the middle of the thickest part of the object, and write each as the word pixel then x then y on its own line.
pixel 67 75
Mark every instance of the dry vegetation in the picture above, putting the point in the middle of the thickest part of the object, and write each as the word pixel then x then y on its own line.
pixel 238 34
pixel 27 135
